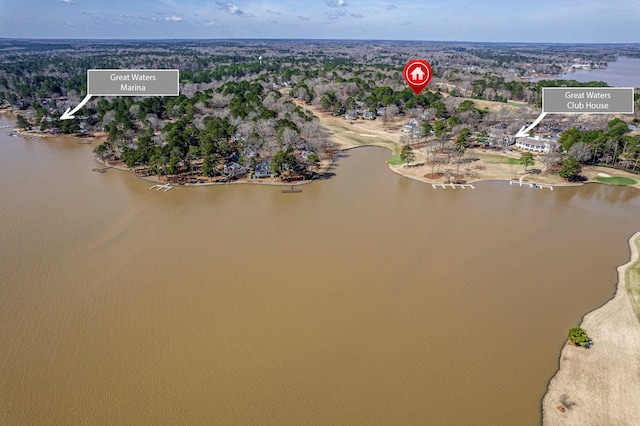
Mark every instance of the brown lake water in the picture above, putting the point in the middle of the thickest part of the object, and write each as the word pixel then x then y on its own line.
pixel 366 299
pixel 621 73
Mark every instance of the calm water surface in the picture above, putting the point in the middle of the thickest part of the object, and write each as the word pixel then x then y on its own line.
pixel 366 299
pixel 625 72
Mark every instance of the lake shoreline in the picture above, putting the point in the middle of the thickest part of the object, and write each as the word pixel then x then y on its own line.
pixel 590 172
pixel 495 172
pixel 492 166
pixel 618 73
pixel 399 170
pixel 593 386
pixel 245 181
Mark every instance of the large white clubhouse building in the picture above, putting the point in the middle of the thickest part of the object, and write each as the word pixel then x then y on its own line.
pixel 537 144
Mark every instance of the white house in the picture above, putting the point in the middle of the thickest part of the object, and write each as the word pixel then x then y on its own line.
pixel 536 145
pixel 410 126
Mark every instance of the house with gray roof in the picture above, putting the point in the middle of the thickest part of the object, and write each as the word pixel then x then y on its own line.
pixel 262 169
pixel 234 170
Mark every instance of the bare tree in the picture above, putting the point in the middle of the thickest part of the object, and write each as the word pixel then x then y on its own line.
pixel 310 129
pixel 513 128
pixel 266 128
pixel 416 112
pixel 133 110
pixel 428 114
pixel 489 93
pixel 287 107
pixel 451 103
pixel 218 100
pixel 108 117
pixel 551 159
pixel 271 100
pixel 317 137
pixel 580 151
pixel 156 123
pixel 290 138
pixel 406 140
pixel 390 112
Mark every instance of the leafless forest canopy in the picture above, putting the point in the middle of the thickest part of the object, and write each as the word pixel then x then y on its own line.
pixel 240 100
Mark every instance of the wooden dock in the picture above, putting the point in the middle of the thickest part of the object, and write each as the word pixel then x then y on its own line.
pixel 22 135
pixel 158 187
pixel 531 184
pixel 291 190
pixel 452 185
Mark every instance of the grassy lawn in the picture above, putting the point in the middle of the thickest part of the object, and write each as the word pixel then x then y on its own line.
pixel 498 159
pixel 622 181
pixel 395 160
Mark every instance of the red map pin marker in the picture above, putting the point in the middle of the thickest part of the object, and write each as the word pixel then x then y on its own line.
pixel 417 74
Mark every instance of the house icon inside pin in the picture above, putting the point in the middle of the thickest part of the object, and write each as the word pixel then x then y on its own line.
pixel 417 74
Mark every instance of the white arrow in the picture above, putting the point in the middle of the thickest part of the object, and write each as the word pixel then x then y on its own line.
pixel 525 132
pixel 68 115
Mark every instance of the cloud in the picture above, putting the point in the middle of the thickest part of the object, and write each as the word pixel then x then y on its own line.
pixel 334 16
pixel 67 1
pixel 340 10
pixel 391 7
pixel 173 19
pixel 336 3
pixel 303 18
pixel 232 9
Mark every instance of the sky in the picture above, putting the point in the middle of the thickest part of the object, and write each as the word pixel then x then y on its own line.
pixel 557 21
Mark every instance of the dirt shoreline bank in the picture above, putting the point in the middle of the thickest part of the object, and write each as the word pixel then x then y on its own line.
pixel 246 181
pixel 601 385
